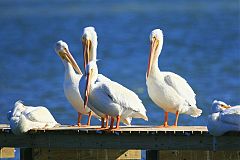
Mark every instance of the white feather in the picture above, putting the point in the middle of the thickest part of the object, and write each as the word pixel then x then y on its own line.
pixel 24 118
pixel 224 120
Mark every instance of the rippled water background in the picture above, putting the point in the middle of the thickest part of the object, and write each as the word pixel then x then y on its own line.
pixel 201 43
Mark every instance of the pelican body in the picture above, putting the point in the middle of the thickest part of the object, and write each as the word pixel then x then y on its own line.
pixel 166 89
pixel 71 82
pixel 24 118
pixel 223 118
pixel 109 97
pixel 105 96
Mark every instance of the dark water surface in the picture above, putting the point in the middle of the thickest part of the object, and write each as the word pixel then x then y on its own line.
pixel 201 43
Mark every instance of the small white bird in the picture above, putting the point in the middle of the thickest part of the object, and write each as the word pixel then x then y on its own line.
pixel 24 118
pixel 110 97
pixel 166 89
pixel 223 118
pixel 71 82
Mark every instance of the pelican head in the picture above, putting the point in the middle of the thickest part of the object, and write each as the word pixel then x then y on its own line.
pixel 218 106
pixel 89 42
pixel 61 48
pixel 156 41
pixel 16 110
pixel 91 74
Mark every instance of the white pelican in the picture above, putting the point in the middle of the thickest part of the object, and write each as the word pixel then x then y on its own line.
pixel 24 118
pixel 89 40
pixel 71 82
pixel 110 97
pixel 224 118
pixel 166 89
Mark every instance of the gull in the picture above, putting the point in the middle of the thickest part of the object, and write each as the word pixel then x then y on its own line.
pixel 223 118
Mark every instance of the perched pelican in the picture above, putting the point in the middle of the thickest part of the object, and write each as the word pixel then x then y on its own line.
pixel 166 89
pixel 110 97
pixel 71 82
pixel 24 118
pixel 89 40
pixel 224 118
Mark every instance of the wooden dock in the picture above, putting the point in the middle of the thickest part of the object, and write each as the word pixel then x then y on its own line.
pixel 157 141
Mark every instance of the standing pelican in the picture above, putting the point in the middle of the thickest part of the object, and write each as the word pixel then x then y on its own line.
pixel 109 97
pixel 224 118
pixel 71 82
pixel 89 40
pixel 166 89
pixel 24 118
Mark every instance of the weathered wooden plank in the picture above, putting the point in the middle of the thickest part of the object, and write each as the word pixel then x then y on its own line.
pixel 77 154
pixel 135 137
pixel 4 126
pixel 186 155
pixel 198 155
pixel 135 128
pixel 7 152
pixel 26 153
pixel 122 128
pixel 152 154
pixel 109 141
pixel 226 155
pixel 223 142
pixel 129 141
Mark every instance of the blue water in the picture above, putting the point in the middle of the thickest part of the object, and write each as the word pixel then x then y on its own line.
pixel 201 43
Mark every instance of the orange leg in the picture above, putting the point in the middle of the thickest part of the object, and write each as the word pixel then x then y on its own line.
pixel 165 119
pixel 102 121
pixel 118 122
pixel 112 121
pixel 107 120
pixel 176 121
pixel 79 119
pixel 89 118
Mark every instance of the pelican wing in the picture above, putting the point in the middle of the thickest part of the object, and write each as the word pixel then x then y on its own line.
pixel 102 78
pixel 39 114
pixel 123 96
pixel 231 115
pixel 181 86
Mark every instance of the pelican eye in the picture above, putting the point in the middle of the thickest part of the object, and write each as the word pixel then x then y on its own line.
pixel 222 105
pixel 154 38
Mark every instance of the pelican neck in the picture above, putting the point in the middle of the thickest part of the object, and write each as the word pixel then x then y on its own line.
pixel 155 63
pixel 93 53
pixel 69 71
pixel 155 67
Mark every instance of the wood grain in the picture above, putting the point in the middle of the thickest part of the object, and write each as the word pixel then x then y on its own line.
pixel 134 137
pixel 7 152
pixel 77 154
